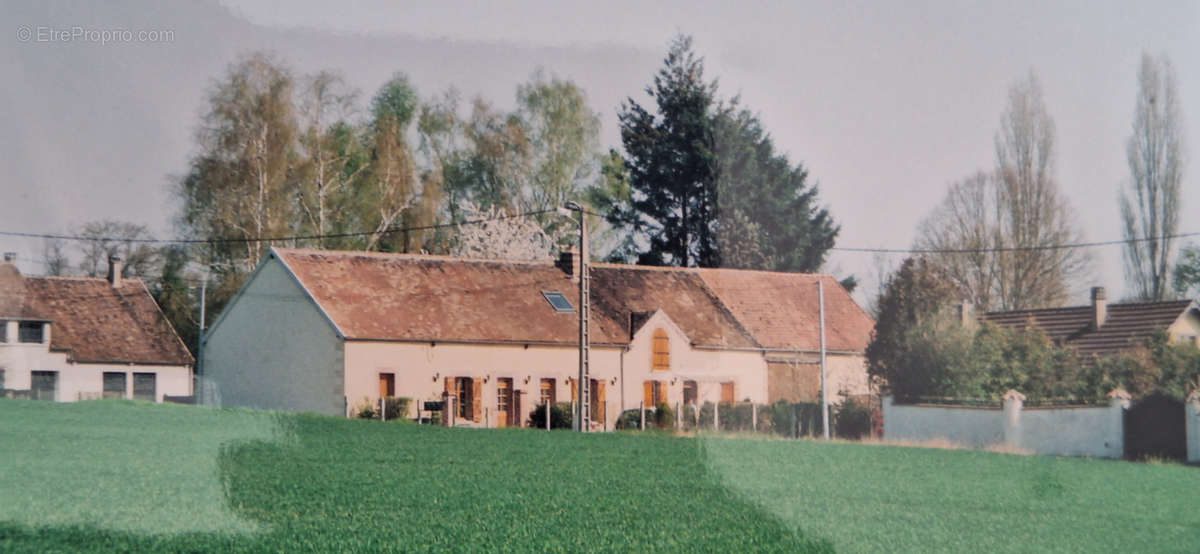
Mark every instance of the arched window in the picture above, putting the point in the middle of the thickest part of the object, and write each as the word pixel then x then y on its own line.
pixel 661 360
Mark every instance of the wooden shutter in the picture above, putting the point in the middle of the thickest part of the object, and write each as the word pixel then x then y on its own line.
pixel 648 393
pixel 662 393
pixel 661 357
pixel 450 386
pixel 597 399
pixel 477 399
pixel 727 392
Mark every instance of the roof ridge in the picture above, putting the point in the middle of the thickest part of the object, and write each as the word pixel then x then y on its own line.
pixel 407 255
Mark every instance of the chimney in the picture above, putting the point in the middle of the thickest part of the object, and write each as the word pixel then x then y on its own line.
pixel 10 257
pixel 1099 307
pixel 114 270
pixel 966 312
pixel 568 261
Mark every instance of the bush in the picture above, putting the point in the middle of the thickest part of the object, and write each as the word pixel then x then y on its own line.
pixel 560 416
pixel 852 420
pixel 664 416
pixel 395 408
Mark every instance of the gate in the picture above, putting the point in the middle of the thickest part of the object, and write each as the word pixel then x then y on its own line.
pixel 1154 427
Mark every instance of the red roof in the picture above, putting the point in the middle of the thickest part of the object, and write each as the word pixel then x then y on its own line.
pixel 92 320
pixel 781 309
pixel 419 297
pixel 1127 325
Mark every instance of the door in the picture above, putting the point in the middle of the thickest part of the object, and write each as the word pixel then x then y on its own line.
pixel 504 402
pixel 387 385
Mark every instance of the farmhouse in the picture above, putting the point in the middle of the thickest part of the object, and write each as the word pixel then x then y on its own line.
pixel 77 338
pixel 328 332
pixel 1102 329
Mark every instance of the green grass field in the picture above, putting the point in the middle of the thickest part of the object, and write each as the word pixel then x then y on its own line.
pixel 126 476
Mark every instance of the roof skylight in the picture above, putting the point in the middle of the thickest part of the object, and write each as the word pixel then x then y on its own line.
pixel 558 301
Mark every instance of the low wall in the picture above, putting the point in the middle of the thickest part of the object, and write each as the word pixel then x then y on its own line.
pixel 1191 422
pixel 977 427
pixel 1096 431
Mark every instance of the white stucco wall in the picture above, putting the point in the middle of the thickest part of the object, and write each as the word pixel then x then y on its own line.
pixel 80 381
pixel 421 368
pixel 709 367
pixel 1075 431
pixel 976 427
pixel 272 348
pixel 1096 431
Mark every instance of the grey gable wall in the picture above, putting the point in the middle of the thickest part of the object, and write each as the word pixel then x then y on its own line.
pixel 272 348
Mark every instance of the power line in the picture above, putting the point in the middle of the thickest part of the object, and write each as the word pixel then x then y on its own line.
pixel 393 230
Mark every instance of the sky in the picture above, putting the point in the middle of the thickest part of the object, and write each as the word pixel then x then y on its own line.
pixel 885 103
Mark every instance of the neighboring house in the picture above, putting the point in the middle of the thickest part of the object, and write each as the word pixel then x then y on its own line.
pixel 1102 329
pixel 329 332
pixel 76 338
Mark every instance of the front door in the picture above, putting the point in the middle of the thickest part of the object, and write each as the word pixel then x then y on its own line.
pixel 504 402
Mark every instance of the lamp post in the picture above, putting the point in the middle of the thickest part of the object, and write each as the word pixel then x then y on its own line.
pixel 582 415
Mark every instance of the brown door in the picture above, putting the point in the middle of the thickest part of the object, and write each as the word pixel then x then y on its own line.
pixel 387 384
pixel 504 402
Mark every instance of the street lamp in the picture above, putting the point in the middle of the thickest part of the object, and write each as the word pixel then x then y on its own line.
pixel 582 414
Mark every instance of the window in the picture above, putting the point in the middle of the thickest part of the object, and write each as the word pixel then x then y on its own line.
pixel 558 301
pixel 114 384
pixel 727 392
pixel 690 392
pixel 44 385
pixel 30 331
pixel 503 394
pixel 661 360
pixel 3 331
pixel 654 393
pixel 546 392
pixel 144 386
pixel 387 384
pixel 1 379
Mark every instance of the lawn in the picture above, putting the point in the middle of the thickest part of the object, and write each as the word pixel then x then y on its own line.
pixel 118 475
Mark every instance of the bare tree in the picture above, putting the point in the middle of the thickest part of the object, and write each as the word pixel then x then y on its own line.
pixel 330 152
pixel 1033 220
pixel 1150 202
pixel 116 238
pixel 999 236
pixel 55 258
pixel 963 232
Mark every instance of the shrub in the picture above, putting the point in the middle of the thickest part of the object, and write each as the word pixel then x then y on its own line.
pixel 395 408
pixel 664 416
pixel 852 419
pixel 560 416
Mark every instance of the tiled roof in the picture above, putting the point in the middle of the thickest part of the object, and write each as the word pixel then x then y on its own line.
pixel 92 320
pixel 781 309
pixel 416 297
pixel 1127 325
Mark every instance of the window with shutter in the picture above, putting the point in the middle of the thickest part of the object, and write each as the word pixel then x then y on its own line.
pixel 661 358
pixel 546 393
pixel 44 385
pixel 114 384
pixel 145 386
pixel 690 392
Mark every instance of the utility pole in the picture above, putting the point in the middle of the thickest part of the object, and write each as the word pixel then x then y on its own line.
pixel 582 414
pixel 200 337
pixel 824 377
